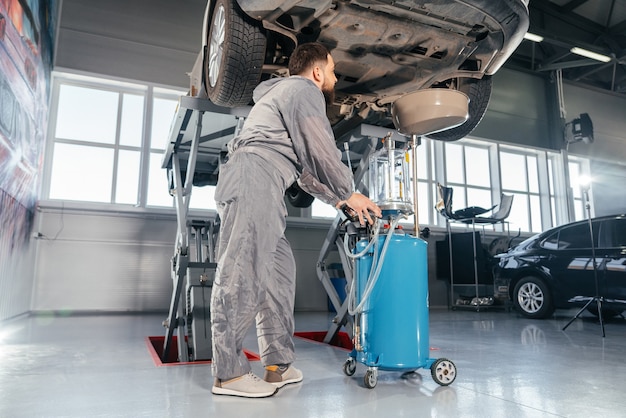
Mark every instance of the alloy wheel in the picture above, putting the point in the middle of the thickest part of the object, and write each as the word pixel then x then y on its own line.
pixel 530 297
pixel 216 47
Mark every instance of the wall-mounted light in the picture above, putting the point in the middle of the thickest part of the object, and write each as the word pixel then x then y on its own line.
pixel 580 129
pixel 533 37
pixel 590 54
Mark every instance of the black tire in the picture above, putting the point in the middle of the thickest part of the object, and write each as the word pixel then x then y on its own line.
pixel 234 56
pixel 479 93
pixel 349 367
pixel 298 198
pixel 532 298
pixel 443 371
pixel 370 379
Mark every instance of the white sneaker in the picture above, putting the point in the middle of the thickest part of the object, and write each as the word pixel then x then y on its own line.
pixel 280 376
pixel 248 386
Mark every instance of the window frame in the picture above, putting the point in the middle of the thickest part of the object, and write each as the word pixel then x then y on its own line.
pixel 121 87
pixel 553 201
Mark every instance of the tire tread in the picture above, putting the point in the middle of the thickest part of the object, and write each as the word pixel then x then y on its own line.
pixel 243 61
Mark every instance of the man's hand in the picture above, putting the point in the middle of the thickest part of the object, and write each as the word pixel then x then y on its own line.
pixel 362 205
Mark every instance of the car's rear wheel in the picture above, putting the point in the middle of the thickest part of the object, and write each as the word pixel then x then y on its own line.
pixel 531 297
pixel 234 57
pixel 479 93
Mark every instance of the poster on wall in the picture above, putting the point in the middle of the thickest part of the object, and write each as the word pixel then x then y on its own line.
pixel 26 51
pixel 27 30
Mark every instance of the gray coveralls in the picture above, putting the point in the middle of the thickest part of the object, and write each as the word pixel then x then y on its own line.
pixel 286 137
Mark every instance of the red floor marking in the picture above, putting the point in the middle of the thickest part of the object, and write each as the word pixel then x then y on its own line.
pixel 155 347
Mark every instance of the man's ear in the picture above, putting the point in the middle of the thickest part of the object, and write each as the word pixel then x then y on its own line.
pixel 318 74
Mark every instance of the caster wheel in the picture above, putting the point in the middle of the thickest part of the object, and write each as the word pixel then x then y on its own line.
pixel 349 367
pixel 370 379
pixel 443 371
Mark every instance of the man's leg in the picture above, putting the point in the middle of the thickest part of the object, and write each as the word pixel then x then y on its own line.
pixel 234 303
pixel 244 258
pixel 274 322
pixel 234 297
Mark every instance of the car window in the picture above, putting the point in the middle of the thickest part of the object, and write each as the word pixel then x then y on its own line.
pixel 576 236
pixel 552 242
pixel 613 233
pixel 619 232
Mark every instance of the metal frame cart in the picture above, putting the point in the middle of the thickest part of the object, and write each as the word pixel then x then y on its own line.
pixel 478 302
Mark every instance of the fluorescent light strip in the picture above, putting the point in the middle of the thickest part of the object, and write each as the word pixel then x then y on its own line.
pixel 589 54
pixel 533 37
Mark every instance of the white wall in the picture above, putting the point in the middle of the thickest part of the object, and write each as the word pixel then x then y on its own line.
pixel 101 261
pixel 608 150
pixel 608 114
pixel 518 110
pixel 150 40
pixel 519 113
pixel 93 260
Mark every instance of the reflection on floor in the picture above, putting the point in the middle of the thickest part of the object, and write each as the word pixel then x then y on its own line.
pixel 508 366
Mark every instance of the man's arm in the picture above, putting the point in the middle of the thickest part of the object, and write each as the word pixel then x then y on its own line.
pixel 322 172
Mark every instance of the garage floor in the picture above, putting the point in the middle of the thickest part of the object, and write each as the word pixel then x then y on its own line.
pixel 100 366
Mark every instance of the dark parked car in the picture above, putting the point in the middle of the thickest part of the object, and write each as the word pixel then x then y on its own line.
pixel 555 269
pixel 382 50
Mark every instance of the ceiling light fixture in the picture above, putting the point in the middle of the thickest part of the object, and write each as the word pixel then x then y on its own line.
pixel 590 54
pixel 533 37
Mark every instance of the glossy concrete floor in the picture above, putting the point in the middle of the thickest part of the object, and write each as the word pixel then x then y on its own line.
pixel 508 366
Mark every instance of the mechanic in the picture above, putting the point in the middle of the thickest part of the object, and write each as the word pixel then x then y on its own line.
pixel 286 137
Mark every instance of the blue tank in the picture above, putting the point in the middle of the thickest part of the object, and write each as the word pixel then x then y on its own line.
pixel 393 326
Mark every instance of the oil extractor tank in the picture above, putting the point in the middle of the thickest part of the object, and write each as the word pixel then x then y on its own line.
pixel 393 325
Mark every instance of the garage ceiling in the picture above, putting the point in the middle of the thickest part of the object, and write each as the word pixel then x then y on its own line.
pixel 595 25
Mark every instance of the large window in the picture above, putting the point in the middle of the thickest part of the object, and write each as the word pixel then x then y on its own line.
pixel 553 168
pixel 96 145
pixel 519 177
pixel 467 170
pixel 579 178
pixel 107 140
pixel 479 172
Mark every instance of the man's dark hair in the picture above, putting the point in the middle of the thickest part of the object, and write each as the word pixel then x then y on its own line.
pixel 305 56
